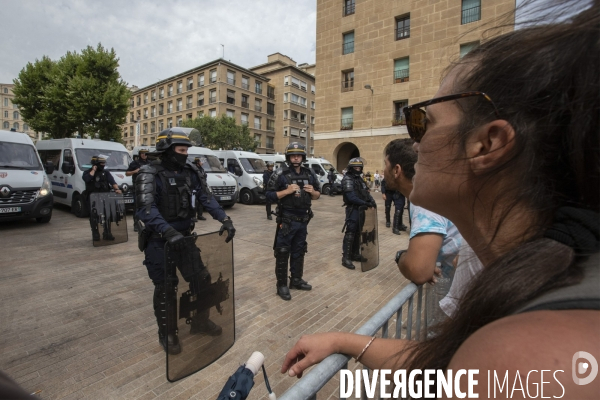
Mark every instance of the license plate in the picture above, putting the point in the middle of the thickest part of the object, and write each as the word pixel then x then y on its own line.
pixel 225 197
pixel 10 210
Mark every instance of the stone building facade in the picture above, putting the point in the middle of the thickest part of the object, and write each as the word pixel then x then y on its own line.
pixel 10 115
pixel 376 56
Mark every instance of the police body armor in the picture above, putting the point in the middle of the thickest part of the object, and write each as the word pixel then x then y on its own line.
pixel 354 183
pixel 99 183
pixel 141 164
pixel 304 201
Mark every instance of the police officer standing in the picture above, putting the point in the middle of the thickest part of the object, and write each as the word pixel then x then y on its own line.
pixel 199 207
pixel 133 170
pixel 331 178
pixel 293 187
pixel 356 195
pixel 97 179
pixel 398 199
pixel 164 199
pixel 266 177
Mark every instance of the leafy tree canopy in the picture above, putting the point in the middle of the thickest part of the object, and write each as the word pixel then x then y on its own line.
pixel 221 133
pixel 79 93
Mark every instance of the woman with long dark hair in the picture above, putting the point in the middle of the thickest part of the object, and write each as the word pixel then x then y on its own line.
pixel 508 150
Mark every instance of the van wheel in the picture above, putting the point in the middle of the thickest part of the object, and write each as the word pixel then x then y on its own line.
pixel 246 197
pixel 78 206
pixel 326 190
pixel 44 220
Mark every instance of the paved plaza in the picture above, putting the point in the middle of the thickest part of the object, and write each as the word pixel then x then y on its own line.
pixel 77 321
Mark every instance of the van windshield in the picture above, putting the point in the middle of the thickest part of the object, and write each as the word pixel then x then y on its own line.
pixel 209 163
pixel 327 166
pixel 115 160
pixel 253 165
pixel 19 156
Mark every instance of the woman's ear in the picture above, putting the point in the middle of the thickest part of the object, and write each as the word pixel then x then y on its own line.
pixel 490 146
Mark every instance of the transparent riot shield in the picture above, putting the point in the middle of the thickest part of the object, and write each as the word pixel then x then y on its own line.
pixel 199 300
pixel 369 242
pixel 108 216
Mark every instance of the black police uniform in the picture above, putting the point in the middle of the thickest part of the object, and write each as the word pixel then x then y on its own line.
pixel 356 195
pixel 399 200
pixel 136 164
pixel 199 206
pixel 266 178
pixel 101 181
pixel 164 191
pixel 294 214
pixel 331 178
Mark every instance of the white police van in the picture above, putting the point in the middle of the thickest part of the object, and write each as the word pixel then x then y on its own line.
pixel 248 169
pixel 25 190
pixel 321 167
pixel 222 183
pixel 277 159
pixel 72 157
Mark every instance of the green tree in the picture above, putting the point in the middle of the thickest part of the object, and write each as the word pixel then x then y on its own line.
pixel 79 93
pixel 221 133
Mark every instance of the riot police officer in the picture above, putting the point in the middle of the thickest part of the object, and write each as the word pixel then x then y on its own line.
pixel 331 178
pixel 292 187
pixel 356 195
pixel 199 207
pixel 97 179
pixel 133 170
pixel 164 199
pixel 266 177
pixel 393 196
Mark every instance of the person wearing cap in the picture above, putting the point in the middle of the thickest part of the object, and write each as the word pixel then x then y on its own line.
pixel 133 170
pixel 164 191
pixel 266 177
pixel 199 208
pixel 97 179
pixel 292 187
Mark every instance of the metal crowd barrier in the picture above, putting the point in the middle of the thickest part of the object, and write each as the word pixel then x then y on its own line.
pixel 310 384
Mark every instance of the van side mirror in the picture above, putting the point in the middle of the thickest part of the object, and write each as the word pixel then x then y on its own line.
pixel 67 168
pixel 49 167
pixel 238 171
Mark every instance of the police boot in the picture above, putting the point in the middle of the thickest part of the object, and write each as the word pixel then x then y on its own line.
pixel 282 254
pixel 387 215
pixel 202 324
pixel 356 256
pixel 135 225
pixel 201 218
pixel 296 281
pixel 401 226
pixel 95 232
pixel 269 216
pixel 397 220
pixel 347 247
pixel 106 235
pixel 167 328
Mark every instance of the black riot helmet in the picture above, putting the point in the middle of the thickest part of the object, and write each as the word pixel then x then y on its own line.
pixel 270 164
pixel 356 162
pixel 295 148
pixel 173 137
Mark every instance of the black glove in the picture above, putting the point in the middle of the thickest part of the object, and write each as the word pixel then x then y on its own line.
pixel 175 239
pixel 372 204
pixel 227 226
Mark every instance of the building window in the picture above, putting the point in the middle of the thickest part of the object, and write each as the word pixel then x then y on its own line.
pixel 271 125
pixel 231 77
pixel 153 95
pixel 270 108
pixel 294 115
pixel 213 113
pixel 401 70
pixel 145 129
pixel 190 83
pixel 153 111
pixel 161 93
pixel 347 81
pixel 161 109
pixel 258 105
pixel 161 125
pixel 230 113
pixel 398 117
pixel 179 87
pixel 285 131
pixel 271 92
pixel 5 90
pixel 312 89
pixel 201 99
pixel 179 120
pixel 25 127
pixel 169 123
pixel 245 101
pixel 170 90
pixel 200 114
pixel 294 132
pixel 230 97
pixel 299 100
pixel 5 125
pixel 212 96
pixel 6 102
pixel 403 27
pixel 245 83
pixel 213 75
pixel 145 113
pixel 257 123
pixel 270 144
pixel 471 11
pixel 244 119
pixel 152 127
pixel 169 107
pixel 312 120
pixel 5 114
pixel 16 126
pixel 467 47
pixel 347 118
pixel 15 115
pixel 285 114
pixel 257 138
pixel 189 103
pixel 348 46
pixel 200 80
pixel 188 116
pixel 15 105
pixel 139 100
pixel 286 97
pixel 258 87
pixel 145 98
pixel 348 7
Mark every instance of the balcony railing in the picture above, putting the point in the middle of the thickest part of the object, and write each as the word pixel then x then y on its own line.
pixel 188 106
pixel 258 108
pixel 231 81
pixel 179 90
pixel 403 33
pixel 161 112
pixel 153 114
pixel 401 75
pixel 169 111
pixel 347 86
pixel 161 96
pixel 270 112
pixel 245 104
pixel 200 102
pixel 212 100
pixel 271 95
pixel 257 125
pixel 348 9
pixel 179 107
pixel 398 119
pixel 245 86
pixel 231 100
pixel 347 124
pixel 190 86
pixel 271 128
pixel 348 48
pixel 298 103
pixel 471 15
pixel 270 145
pixel 258 90
pixel 213 79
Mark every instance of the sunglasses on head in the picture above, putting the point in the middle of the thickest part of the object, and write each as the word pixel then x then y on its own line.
pixel 416 116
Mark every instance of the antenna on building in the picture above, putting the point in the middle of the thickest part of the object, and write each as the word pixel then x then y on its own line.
pixel 223 51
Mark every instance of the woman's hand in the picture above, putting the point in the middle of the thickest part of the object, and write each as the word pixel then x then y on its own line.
pixel 309 350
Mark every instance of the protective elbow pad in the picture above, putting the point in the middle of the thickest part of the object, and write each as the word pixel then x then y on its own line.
pixel 347 185
pixel 145 186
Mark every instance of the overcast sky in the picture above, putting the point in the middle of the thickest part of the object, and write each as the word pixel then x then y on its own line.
pixel 157 39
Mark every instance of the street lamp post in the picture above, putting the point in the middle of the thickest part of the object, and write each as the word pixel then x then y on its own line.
pixel 371 89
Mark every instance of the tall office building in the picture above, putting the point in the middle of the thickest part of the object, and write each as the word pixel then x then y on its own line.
pixel 376 56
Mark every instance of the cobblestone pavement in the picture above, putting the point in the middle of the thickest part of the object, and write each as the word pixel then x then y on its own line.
pixel 77 321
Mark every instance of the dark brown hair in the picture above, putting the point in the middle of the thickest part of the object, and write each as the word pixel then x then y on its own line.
pixel 544 82
pixel 400 152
